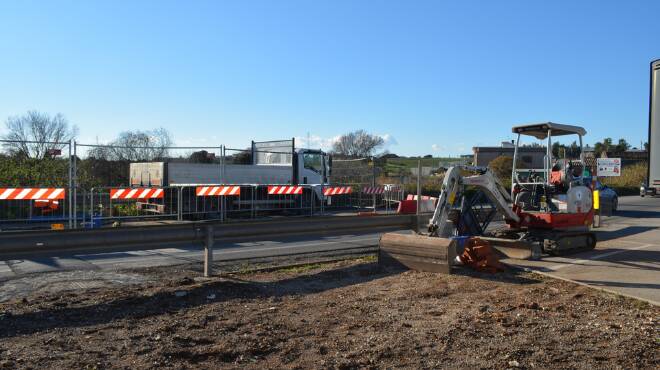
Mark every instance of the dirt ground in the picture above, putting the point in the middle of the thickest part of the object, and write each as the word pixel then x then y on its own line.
pixel 340 315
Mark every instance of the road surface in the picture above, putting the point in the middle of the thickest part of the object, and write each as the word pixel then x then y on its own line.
pixel 283 246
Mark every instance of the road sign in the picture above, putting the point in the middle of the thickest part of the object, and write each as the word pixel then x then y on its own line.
pixel 608 166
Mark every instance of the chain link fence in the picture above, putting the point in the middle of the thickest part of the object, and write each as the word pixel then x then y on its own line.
pixel 100 185
pixel 35 185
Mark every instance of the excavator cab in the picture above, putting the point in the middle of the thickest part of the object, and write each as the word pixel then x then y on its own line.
pixel 562 188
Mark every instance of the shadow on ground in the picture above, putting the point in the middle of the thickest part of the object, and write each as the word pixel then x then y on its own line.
pixel 603 235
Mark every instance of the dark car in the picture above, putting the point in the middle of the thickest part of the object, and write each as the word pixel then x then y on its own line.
pixel 609 200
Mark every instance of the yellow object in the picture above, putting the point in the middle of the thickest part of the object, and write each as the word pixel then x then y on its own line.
pixel 57 226
pixel 452 197
pixel 596 200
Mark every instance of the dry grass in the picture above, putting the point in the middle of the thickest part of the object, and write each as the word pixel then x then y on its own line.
pixel 631 177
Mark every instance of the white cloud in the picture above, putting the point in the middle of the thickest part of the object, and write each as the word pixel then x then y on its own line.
pixel 315 142
pixel 437 148
pixel 388 140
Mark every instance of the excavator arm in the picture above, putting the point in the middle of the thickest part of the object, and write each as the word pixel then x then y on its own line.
pixel 451 194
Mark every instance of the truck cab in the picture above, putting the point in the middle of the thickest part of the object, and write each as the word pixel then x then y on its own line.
pixel 311 167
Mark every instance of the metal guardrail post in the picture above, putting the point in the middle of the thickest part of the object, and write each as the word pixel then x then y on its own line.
pixel 208 251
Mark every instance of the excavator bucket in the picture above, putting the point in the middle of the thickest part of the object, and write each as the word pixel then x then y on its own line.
pixel 417 252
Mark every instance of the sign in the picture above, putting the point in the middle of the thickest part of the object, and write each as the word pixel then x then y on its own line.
pixel 608 166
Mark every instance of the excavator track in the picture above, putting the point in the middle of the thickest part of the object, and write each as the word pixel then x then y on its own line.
pixel 567 243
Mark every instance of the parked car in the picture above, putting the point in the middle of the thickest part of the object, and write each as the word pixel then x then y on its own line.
pixel 609 200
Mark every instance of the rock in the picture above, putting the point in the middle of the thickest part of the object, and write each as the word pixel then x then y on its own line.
pixel 514 363
pixel 210 296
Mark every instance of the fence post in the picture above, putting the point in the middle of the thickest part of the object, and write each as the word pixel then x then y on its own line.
pixel 208 252
pixel 70 184
pixel 419 194
pixel 419 185
pixel 91 208
pixel 373 179
pixel 179 204
pixel 75 184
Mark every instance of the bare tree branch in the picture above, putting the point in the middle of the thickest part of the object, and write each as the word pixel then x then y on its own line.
pixel 34 134
pixel 136 146
pixel 357 144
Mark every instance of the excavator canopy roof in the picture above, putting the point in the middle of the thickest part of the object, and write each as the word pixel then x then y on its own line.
pixel 540 130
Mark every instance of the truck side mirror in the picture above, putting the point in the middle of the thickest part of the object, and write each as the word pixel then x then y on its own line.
pixel 330 165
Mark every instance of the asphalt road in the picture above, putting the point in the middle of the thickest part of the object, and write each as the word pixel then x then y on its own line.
pixel 627 257
pixel 284 246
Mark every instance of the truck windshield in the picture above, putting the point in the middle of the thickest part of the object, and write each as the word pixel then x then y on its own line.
pixel 313 161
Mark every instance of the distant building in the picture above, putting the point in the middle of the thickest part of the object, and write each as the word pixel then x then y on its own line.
pixel 530 156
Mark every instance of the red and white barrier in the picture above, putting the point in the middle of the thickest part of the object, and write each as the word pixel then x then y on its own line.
pixel 373 190
pixel 424 197
pixel 338 190
pixel 218 191
pixel 31 193
pixel 284 190
pixel 136 193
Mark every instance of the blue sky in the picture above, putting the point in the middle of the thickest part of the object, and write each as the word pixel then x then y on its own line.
pixel 433 77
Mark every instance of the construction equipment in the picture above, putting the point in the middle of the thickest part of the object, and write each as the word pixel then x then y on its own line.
pixel 547 209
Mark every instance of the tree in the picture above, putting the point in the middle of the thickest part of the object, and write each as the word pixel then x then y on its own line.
pixel 202 156
pixel 357 144
pixel 621 146
pixel 604 146
pixel 136 146
pixel 35 134
pixel 566 151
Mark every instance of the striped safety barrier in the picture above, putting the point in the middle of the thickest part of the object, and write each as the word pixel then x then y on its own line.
pixel 338 190
pixel 284 190
pixel 136 193
pixel 31 193
pixel 424 197
pixel 207 191
pixel 373 190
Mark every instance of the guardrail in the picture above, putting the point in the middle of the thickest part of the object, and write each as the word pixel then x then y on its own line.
pixel 16 245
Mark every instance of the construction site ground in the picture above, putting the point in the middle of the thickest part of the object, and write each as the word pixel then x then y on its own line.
pixel 344 314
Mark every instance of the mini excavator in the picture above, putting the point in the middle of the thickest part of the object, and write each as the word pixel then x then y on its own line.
pixel 547 210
